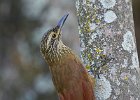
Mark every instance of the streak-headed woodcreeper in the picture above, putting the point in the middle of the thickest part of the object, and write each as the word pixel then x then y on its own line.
pixel 69 76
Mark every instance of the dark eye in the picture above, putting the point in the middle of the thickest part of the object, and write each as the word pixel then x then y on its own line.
pixel 54 36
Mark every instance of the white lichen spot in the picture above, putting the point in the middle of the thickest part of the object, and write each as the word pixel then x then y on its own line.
pixel 93 1
pixel 125 64
pixel 82 45
pixel 103 88
pixel 108 3
pixel 81 14
pixel 132 98
pixel 90 41
pixel 135 60
pixel 114 97
pixel 128 42
pixel 117 82
pixel 125 76
pixel 93 36
pixel 84 2
pixel 127 1
pixel 117 91
pixel 99 33
pixel 134 79
pixel 93 26
pixel 110 16
pixel 77 5
pixel 113 71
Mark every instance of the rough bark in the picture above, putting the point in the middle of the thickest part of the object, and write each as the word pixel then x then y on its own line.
pixel 107 27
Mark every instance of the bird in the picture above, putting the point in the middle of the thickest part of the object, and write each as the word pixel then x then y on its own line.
pixel 70 78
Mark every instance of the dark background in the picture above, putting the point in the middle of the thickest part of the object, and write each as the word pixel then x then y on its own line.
pixel 24 75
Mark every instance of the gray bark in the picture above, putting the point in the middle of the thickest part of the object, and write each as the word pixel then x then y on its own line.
pixel 107 27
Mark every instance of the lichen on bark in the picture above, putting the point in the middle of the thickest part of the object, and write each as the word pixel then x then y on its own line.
pixel 106 27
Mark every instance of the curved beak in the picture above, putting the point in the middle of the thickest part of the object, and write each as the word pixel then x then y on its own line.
pixel 62 21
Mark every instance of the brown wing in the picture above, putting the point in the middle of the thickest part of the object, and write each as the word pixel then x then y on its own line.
pixel 76 83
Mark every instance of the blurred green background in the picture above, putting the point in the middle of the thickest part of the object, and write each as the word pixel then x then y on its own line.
pixel 24 75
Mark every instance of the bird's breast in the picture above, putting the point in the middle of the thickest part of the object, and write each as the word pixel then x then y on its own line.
pixel 71 78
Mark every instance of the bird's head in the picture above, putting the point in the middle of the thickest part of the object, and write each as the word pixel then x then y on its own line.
pixel 51 38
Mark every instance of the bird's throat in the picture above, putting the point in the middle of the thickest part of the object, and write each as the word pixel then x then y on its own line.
pixel 56 54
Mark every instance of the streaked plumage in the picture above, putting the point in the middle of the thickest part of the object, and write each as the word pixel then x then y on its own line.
pixel 69 76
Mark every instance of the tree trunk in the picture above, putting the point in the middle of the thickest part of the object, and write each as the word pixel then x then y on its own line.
pixel 106 27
